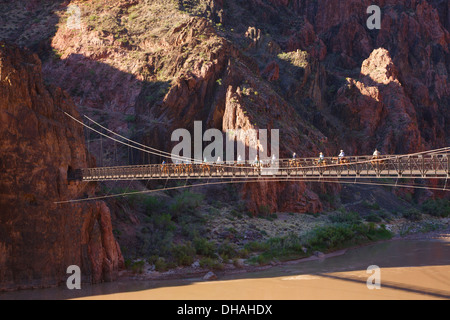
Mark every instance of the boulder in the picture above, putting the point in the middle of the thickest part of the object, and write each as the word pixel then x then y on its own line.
pixel 210 276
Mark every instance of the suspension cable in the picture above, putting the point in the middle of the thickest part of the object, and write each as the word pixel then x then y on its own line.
pixel 161 153
pixel 246 181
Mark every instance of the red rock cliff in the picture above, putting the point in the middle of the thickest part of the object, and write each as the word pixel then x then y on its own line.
pixel 39 144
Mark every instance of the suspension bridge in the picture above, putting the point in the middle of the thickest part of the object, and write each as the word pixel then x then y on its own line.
pixel 428 165
pixel 432 164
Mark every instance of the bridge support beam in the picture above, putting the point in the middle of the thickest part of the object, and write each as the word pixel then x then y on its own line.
pixel 448 166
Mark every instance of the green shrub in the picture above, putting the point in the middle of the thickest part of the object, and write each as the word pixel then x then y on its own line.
pixel 371 206
pixel 345 217
pixel 186 202
pixel 164 222
pixel 437 208
pixel 157 241
pixel 152 204
pixel 283 248
pixel 152 260
pixel 236 214
pixel 337 236
pixel 205 248
pixel 130 118
pixel 329 198
pixel 161 265
pixel 214 211
pixel 191 229
pixel 412 214
pixel 330 237
pixel 386 216
pixel 228 250
pixel 256 246
pixel 407 197
pixel 324 239
pixel 262 259
pixel 210 263
pixel 373 217
pixel 429 227
pixel 243 253
pixel 138 267
pixel 183 254
pixel 128 263
pixel 207 262
pixel 56 54
pixel 290 242
pixel 264 210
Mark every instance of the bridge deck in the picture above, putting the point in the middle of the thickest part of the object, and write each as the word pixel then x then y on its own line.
pixel 429 166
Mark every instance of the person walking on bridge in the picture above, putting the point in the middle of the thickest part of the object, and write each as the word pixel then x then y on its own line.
pixel 274 159
pixel 239 160
pixel 341 157
pixel 321 158
pixel 376 154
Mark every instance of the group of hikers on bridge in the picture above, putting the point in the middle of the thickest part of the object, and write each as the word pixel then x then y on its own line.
pixel 206 167
pixel 341 158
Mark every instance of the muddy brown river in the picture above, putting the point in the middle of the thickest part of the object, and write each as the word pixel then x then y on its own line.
pixel 409 269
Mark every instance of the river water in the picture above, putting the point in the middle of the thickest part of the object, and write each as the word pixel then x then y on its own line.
pixel 409 269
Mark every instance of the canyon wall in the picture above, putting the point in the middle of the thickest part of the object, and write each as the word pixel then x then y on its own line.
pixel 40 239
pixel 309 68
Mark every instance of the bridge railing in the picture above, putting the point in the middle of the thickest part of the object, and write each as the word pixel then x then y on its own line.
pixel 352 165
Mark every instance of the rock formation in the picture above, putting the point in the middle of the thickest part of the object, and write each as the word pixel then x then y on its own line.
pixel 378 106
pixel 39 146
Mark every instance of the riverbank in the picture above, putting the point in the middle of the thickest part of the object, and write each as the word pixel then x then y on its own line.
pixel 186 233
pixel 416 266
pixel 410 270
pixel 430 228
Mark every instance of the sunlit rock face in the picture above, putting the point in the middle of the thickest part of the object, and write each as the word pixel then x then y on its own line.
pixel 39 145
pixel 377 105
